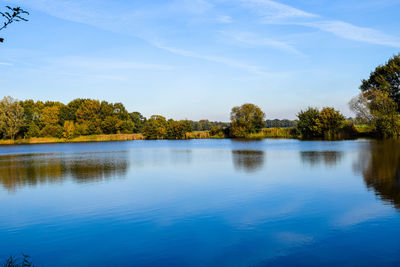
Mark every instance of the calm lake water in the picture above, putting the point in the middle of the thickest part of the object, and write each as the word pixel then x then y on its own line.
pixel 202 203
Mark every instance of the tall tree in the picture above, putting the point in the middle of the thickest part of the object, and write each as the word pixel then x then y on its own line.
pixel 378 110
pixel 11 117
pixel 139 120
pixel 155 127
pixel 385 78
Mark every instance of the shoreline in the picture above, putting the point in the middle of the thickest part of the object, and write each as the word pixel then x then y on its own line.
pixel 79 139
pixel 267 133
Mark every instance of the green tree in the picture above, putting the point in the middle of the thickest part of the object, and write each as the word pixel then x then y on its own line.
pixel 49 118
pixel 33 130
pixel 126 127
pixel 246 119
pixel 329 122
pixel 178 129
pixel 69 129
pixel 155 127
pixel 110 125
pixel 11 117
pixel 30 115
pixel 88 117
pixel 53 130
pixel 50 115
pixel 120 111
pixel 138 120
pixel 380 112
pixel 307 123
pixel 217 131
pixel 385 78
pixel 67 113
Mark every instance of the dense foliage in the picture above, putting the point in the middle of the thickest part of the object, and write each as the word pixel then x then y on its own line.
pixel 280 123
pixel 26 119
pixel 378 105
pixel 246 119
pixel 379 111
pixel 206 125
pixel 327 123
pixel 385 78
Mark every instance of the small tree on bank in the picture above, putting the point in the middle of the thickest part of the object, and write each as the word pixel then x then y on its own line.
pixel 11 117
pixel 326 123
pixel 307 123
pixel 246 119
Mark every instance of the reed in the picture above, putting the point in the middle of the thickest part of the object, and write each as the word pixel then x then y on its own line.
pixel 79 139
pixel 198 135
pixel 274 133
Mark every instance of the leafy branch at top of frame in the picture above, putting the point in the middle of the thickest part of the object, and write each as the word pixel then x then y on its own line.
pixel 13 14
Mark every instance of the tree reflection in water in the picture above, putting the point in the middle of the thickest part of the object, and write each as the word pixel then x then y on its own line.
pixel 314 158
pixel 380 167
pixel 248 160
pixel 21 170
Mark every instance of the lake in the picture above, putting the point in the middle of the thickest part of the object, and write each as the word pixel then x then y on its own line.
pixel 202 203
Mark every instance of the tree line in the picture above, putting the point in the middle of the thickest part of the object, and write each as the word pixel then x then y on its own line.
pixel 29 118
pixel 377 106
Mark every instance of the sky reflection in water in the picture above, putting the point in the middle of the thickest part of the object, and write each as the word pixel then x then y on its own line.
pixel 202 202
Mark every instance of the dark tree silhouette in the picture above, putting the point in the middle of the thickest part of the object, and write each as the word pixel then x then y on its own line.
pixel 11 15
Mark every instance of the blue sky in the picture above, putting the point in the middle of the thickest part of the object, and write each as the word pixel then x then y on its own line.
pixel 197 59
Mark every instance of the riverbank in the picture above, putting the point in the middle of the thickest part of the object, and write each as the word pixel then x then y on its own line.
pixel 285 133
pixel 79 139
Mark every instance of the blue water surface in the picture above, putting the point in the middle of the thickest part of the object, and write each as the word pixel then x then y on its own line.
pixel 202 203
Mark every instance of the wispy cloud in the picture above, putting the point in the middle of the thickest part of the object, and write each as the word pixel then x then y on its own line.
pixel 355 33
pixel 108 64
pixel 276 10
pixel 252 39
pixel 5 64
pixel 272 12
pixel 217 59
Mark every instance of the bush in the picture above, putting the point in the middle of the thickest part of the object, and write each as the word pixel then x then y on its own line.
pixel 52 131
pixel 307 123
pixel 327 123
pixel 33 130
pixel 217 131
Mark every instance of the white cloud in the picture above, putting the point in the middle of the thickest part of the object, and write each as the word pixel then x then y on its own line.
pixel 5 64
pixel 275 10
pixel 355 33
pixel 272 12
pixel 362 214
pixel 221 60
pixel 251 39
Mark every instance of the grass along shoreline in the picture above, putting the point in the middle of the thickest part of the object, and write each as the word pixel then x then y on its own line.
pixel 79 139
pixel 285 133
